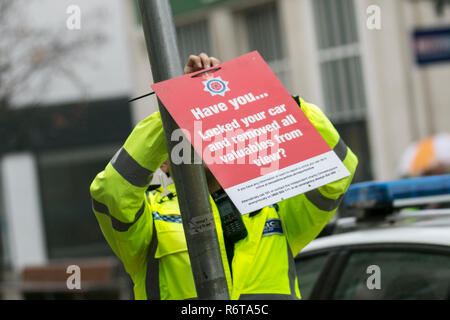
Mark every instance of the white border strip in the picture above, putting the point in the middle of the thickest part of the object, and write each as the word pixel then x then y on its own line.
pixel 287 182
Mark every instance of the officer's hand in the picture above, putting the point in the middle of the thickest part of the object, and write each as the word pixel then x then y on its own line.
pixel 197 63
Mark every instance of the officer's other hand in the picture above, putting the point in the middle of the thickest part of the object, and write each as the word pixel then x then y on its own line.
pixel 200 62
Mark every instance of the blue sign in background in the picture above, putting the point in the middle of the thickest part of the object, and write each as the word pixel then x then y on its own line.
pixel 432 45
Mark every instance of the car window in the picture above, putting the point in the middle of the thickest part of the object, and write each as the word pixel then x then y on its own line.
pixel 308 271
pixel 394 275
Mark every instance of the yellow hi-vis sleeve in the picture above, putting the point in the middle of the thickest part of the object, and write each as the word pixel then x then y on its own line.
pixel 119 200
pixel 305 215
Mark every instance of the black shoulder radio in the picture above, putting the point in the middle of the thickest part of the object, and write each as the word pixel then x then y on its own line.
pixel 232 223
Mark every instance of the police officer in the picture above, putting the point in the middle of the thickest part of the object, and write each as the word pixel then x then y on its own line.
pixel 144 228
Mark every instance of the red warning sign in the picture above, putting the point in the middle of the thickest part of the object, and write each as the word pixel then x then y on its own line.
pixel 250 132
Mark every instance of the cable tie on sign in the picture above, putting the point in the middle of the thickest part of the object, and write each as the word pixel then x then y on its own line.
pixel 206 71
pixel 194 76
pixel 140 97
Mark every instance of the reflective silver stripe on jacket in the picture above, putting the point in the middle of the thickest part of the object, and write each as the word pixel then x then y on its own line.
pixel 152 275
pixel 341 149
pixel 292 274
pixel 130 170
pixel 116 223
pixel 318 199
pixel 321 202
pixel 152 287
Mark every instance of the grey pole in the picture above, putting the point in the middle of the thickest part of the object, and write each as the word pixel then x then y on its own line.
pixel 190 180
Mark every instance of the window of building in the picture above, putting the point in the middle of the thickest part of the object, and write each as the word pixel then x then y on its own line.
pixel 264 34
pixel 194 38
pixel 70 226
pixel 340 59
pixel 342 74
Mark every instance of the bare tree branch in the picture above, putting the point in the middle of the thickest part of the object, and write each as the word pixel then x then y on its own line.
pixel 28 53
pixel 30 58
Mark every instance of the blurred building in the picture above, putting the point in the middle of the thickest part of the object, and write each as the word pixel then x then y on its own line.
pixel 366 77
pixel 60 132
pixel 356 59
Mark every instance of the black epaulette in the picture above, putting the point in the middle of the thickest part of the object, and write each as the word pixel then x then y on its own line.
pixel 297 100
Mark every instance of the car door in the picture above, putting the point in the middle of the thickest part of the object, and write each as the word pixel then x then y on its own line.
pixel 381 272
pixel 313 270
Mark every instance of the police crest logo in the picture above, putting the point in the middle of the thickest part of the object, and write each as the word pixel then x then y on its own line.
pixel 216 86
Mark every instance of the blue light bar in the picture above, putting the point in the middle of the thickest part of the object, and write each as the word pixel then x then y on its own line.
pixel 382 194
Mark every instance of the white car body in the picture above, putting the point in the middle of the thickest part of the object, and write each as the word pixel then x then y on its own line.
pixel 432 232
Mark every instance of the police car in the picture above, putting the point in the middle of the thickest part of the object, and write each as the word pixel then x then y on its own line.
pixel 395 246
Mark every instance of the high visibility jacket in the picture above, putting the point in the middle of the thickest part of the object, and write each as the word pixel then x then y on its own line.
pixel 144 229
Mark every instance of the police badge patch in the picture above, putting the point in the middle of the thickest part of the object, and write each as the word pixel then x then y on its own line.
pixel 216 86
pixel 273 226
